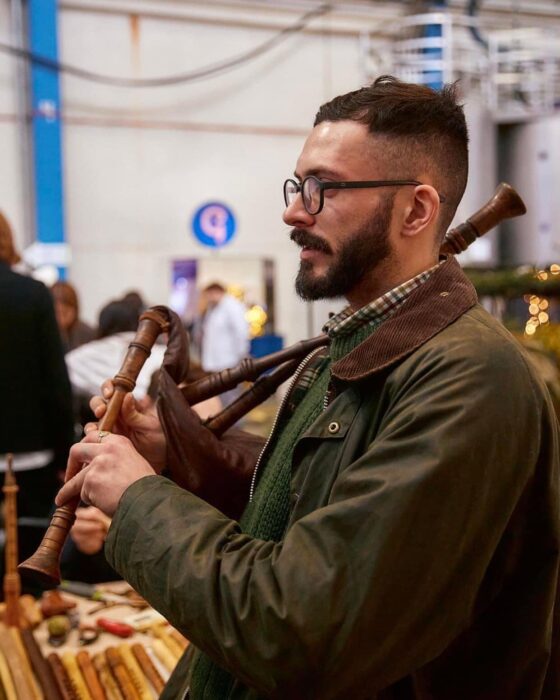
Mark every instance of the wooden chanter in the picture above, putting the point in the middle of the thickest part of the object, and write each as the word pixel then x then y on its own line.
pixel 43 565
pixel 12 582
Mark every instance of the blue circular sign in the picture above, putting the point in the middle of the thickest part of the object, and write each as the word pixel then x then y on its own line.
pixel 214 224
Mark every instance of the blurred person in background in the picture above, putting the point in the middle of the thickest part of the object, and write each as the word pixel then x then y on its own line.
pixel 224 333
pixel 135 300
pixel 91 364
pixel 74 332
pixel 36 418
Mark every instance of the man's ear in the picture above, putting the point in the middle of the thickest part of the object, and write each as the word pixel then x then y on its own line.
pixel 421 212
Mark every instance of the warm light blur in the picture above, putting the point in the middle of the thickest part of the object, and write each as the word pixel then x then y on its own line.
pixel 256 317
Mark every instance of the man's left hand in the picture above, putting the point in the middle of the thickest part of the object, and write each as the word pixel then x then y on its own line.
pixel 101 469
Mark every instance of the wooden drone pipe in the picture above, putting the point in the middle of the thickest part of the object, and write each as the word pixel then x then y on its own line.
pixel 504 204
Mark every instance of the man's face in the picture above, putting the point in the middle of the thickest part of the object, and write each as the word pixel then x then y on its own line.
pixel 348 241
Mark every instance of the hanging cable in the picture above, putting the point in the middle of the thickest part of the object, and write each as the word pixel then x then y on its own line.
pixel 205 72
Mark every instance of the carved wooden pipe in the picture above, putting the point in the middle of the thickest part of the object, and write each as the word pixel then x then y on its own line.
pixel 43 566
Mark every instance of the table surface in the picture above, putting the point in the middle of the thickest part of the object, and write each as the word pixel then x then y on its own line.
pixel 120 613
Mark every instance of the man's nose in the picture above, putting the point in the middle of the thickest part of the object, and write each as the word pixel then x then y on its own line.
pixel 295 214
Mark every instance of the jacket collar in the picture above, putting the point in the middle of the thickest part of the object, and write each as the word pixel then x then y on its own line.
pixel 430 308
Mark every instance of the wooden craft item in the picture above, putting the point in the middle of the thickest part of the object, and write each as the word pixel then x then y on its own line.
pixel 12 582
pixel 76 678
pixel 135 672
pixel 42 670
pixel 148 668
pixel 62 678
pixel 178 637
pixel 106 678
pixel 122 676
pixel 174 647
pixel 90 676
pixel 30 610
pixel 54 603
pixel 14 640
pixel 6 679
pixel 164 655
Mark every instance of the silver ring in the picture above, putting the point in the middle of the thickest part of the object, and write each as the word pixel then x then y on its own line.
pixel 101 434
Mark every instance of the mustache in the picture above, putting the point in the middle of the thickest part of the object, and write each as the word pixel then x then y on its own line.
pixel 304 239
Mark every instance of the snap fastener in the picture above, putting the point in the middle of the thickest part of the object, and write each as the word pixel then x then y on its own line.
pixel 444 294
pixel 334 427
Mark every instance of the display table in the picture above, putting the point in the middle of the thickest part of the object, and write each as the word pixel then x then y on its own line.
pixel 137 665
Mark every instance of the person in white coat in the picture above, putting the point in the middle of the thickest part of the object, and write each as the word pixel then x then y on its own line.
pixel 225 333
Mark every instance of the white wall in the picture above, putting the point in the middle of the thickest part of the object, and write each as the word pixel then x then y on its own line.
pixel 12 202
pixel 138 162
pixel 531 162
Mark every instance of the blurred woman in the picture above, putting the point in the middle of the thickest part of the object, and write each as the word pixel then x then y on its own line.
pixel 73 331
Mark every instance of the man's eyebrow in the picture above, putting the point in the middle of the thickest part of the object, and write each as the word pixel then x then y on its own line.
pixel 318 172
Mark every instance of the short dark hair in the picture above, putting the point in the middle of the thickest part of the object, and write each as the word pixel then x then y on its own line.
pixel 117 317
pixel 214 287
pixel 426 126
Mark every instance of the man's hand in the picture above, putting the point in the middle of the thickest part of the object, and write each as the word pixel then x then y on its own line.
pixel 90 529
pixel 100 472
pixel 141 427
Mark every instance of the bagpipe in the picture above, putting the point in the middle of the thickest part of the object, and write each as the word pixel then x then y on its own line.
pixel 43 565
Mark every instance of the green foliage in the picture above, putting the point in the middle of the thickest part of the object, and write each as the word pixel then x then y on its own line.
pixel 511 283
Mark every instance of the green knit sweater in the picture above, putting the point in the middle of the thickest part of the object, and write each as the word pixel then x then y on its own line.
pixel 266 516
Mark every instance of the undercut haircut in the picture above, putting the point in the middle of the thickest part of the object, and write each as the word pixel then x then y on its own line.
pixel 425 131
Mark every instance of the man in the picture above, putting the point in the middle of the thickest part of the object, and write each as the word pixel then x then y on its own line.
pixel 402 538
pixel 36 419
pixel 225 331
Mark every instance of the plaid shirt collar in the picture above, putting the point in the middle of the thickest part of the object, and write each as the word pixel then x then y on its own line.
pixel 377 311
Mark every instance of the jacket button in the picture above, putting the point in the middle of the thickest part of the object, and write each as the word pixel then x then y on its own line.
pixel 334 427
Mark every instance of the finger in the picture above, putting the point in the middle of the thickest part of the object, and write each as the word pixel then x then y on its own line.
pixel 93 436
pixel 98 406
pixel 129 410
pixel 71 488
pixel 95 516
pixel 81 453
pixel 85 529
pixel 89 427
pixel 107 389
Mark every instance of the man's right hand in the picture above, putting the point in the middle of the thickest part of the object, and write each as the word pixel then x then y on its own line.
pixel 141 427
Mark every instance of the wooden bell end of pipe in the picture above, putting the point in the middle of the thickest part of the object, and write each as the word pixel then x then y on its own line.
pixel 505 204
pixel 43 567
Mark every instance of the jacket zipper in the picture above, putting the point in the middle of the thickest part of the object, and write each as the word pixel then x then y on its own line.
pixel 295 377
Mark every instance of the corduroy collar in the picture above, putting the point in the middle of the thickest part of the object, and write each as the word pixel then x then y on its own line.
pixel 430 308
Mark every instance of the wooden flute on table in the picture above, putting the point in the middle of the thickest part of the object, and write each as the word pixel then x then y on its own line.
pixel 43 566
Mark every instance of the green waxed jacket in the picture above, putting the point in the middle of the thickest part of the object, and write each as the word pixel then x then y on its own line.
pixel 421 560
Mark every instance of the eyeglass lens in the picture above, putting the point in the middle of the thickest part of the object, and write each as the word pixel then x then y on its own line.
pixel 311 193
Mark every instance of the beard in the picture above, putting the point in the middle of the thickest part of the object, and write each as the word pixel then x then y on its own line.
pixel 359 256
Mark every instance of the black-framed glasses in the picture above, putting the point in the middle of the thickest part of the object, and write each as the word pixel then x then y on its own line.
pixel 312 190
